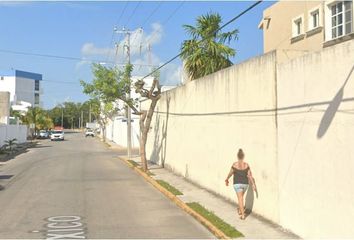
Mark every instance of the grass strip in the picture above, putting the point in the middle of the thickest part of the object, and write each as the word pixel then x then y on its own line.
pixel 133 163
pixel 147 172
pixel 169 188
pixel 226 228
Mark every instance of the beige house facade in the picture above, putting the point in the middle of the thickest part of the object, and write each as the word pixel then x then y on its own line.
pixel 295 28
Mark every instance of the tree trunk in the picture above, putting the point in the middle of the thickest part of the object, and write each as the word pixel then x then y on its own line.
pixel 104 132
pixel 145 122
pixel 143 141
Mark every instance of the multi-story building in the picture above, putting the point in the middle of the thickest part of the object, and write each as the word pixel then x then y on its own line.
pixel 24 87
pixel 294 28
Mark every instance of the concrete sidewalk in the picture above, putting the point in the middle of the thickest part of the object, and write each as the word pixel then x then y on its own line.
pixel 254 227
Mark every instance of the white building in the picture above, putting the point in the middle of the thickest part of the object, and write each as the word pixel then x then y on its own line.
pixel 117 126
pixel 24 87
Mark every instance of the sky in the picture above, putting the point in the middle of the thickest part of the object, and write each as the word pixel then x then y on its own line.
pixel 84 32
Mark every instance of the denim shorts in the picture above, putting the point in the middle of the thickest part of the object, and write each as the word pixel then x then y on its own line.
pixel 240 187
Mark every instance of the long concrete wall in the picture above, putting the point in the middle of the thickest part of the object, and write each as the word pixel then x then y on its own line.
pixel 199 128
pixel 295 124
pixel 316 143
pixel 8 132
pixel 117 131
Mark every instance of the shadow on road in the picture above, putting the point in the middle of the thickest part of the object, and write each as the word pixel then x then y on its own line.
pixel 2 177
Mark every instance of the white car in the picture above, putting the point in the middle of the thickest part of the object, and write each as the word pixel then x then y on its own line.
pixel 43 134
pixel 57 135
pixel 89 132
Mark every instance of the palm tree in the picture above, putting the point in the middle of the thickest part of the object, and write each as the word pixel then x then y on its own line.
pixel 206 51
pixel 39 118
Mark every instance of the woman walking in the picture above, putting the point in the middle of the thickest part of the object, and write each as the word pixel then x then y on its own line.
pixel 242 178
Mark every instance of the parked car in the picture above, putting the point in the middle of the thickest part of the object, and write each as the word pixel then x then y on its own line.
pixel 57 135
pixel 43 134
pixel 89 132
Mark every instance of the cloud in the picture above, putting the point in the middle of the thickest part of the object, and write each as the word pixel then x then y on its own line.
pixel 81 64
pixel 171 75
pixel 156 34
pixel 89 49
pixel 142 54
pixel 140 42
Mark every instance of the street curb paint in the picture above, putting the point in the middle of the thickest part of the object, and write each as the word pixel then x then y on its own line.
pixel 214 230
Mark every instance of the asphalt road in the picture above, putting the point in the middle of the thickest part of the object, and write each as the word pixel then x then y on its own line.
pixel 79 189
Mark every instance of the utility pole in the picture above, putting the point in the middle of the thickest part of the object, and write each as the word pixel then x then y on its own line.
pixel 128 33
pixel 90 114
pixel 82 119
pixel 62 117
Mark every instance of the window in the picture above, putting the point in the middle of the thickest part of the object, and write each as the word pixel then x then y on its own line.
pixel 348 17
pixel 341 19
pixel 314 19
pixel 298 26
pixel 36 85
pixel 36 98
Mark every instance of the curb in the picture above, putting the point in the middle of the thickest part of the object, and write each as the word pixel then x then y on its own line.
pixel 219 234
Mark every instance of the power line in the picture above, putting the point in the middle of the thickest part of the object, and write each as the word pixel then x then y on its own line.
pixel 202 40
pixel 116 24
pixel 131 15
pixel 126 23
pixel 164 22
pixel 152 13
pixel 169 17
pixel 66 57
pixel 173 13
pixel 61 82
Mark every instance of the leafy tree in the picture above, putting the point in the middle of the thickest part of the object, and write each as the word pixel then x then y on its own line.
pixel 38 117
pixel 44 122
pixel 92 106
pixel 110 84
pixel 105 89
pixel 15 113
pixel 206 51
pixel 55 114
pixel 72 113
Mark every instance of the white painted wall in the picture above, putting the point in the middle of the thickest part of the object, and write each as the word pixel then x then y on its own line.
pixel 200 126
pixel 315 143
pixel 295 122
pixel 117 131
pixel 8 84
pixel 8 132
